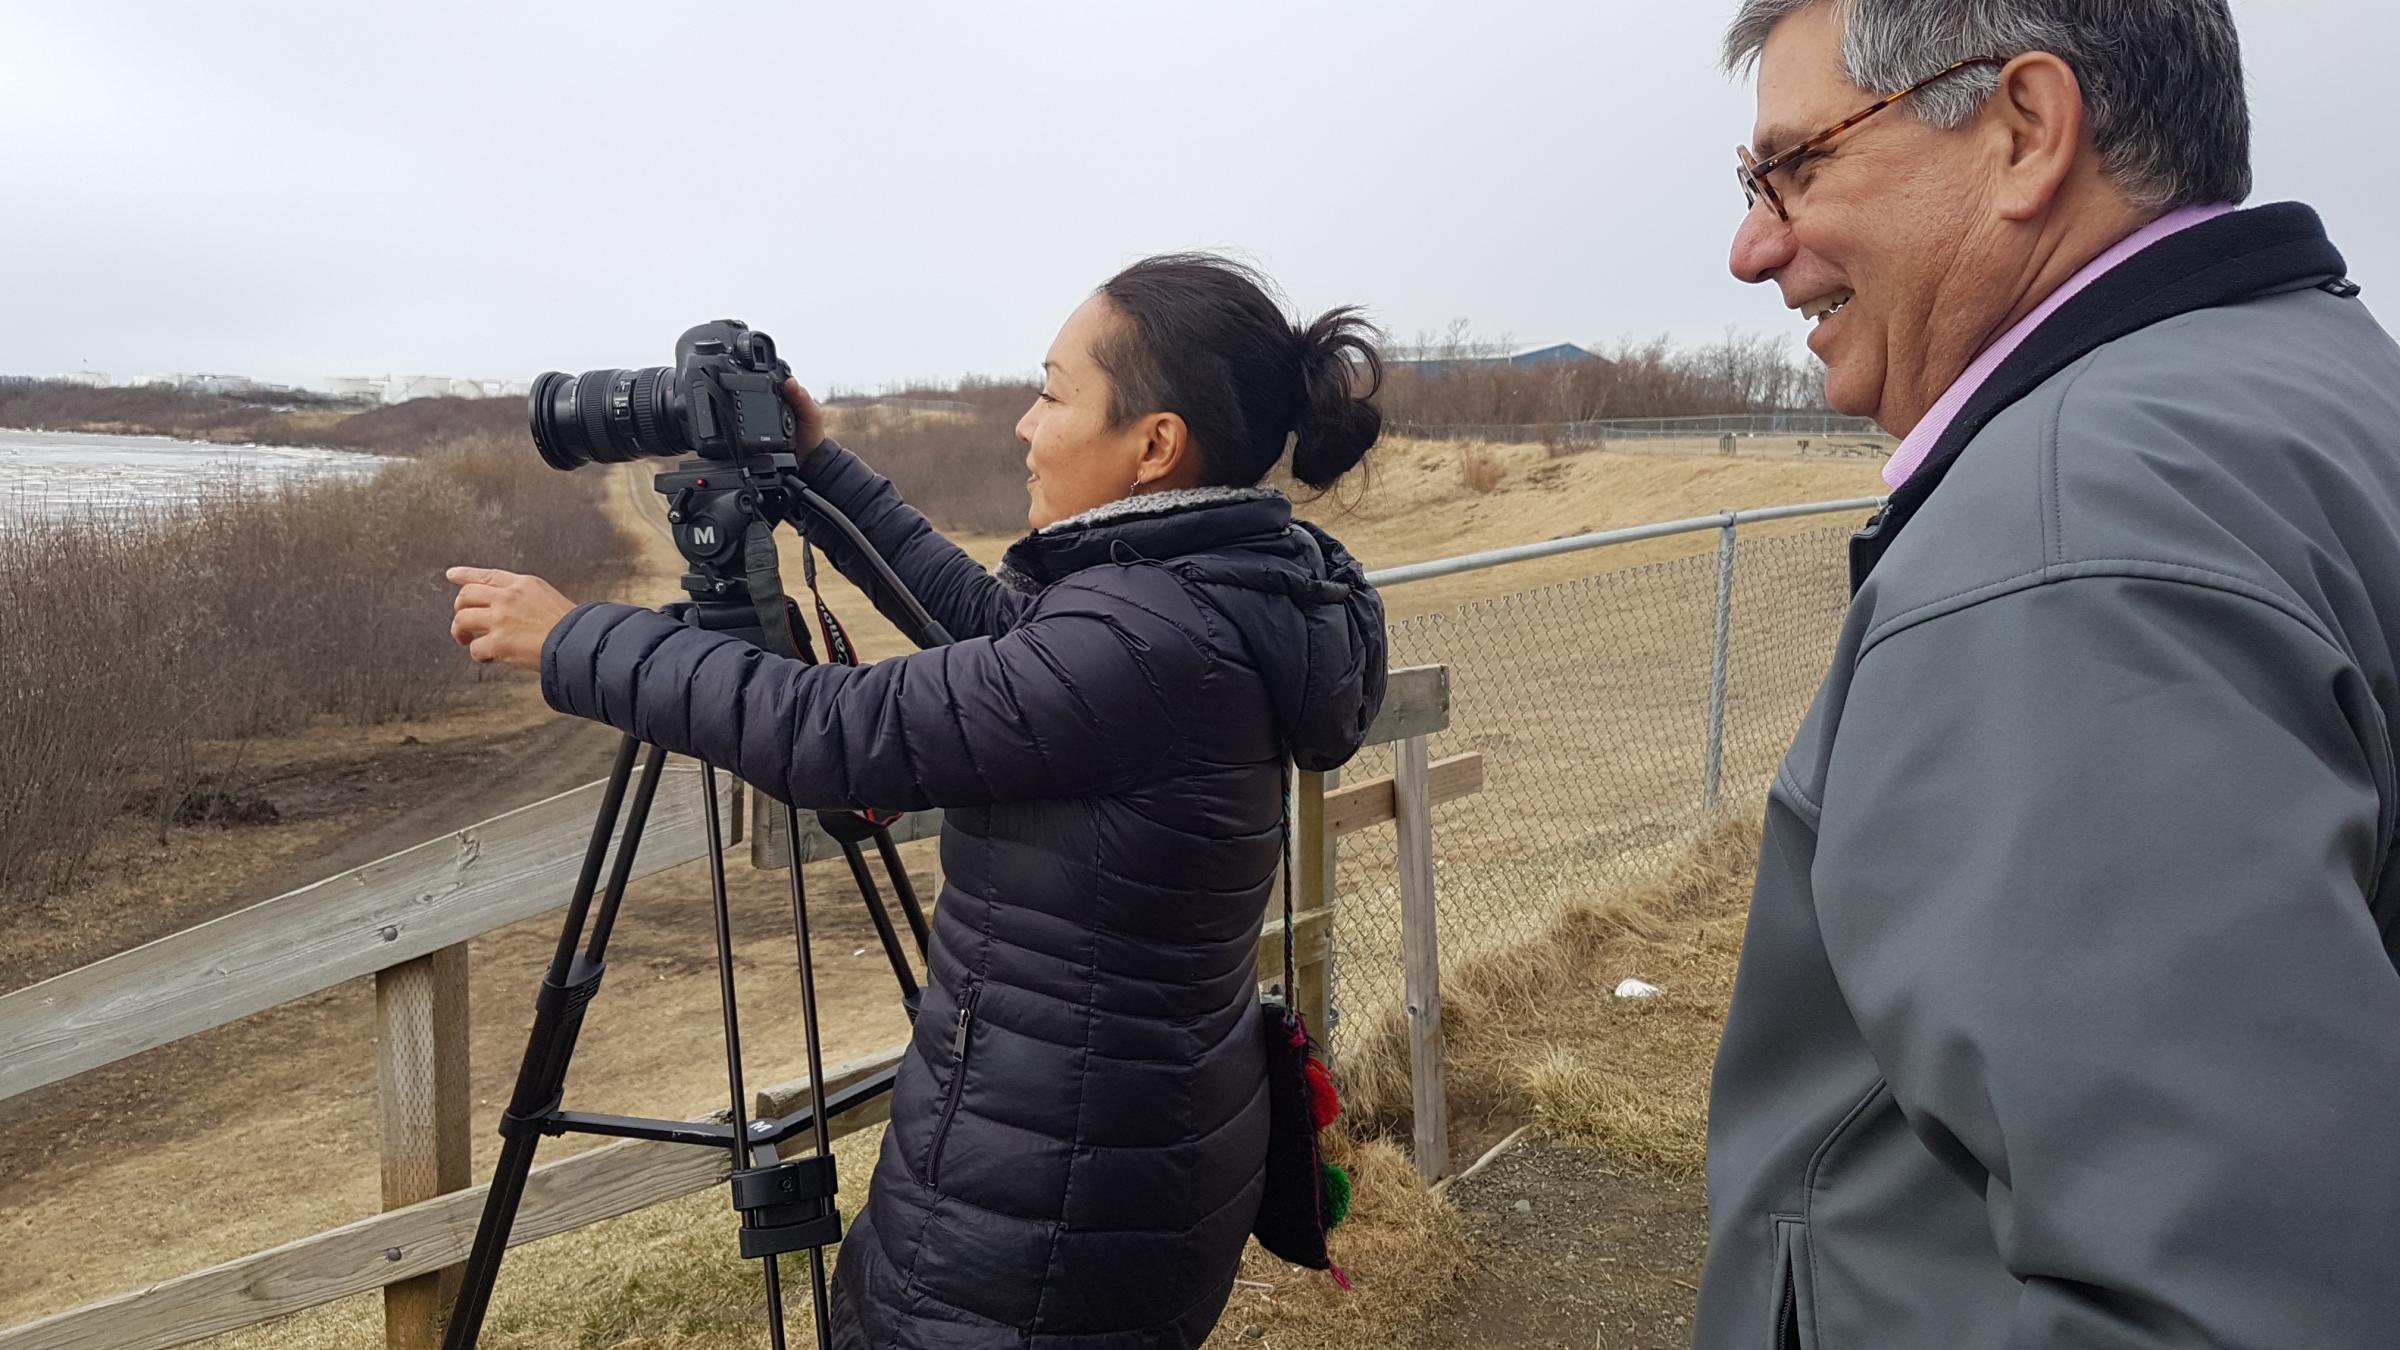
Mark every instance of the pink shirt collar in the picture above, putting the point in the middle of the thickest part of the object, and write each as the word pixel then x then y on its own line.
pixel 1919 442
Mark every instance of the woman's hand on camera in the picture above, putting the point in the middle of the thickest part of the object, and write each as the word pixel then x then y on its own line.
pixel 811 419
pixel 504 617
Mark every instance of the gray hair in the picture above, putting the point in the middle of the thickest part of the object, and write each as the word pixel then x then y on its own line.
pixel 2162 79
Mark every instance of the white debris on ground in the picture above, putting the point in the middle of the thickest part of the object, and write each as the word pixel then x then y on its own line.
pixel 1637 989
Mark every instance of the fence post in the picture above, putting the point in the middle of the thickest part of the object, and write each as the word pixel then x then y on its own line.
pixel 428 1143
pixel 1412 803
pixel 1312 887
pixel 1719 657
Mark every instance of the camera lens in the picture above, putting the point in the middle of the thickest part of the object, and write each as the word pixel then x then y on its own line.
pixel 606 417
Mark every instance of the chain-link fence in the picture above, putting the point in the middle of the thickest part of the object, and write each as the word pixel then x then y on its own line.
pixel 1819 428
pixel 1599 707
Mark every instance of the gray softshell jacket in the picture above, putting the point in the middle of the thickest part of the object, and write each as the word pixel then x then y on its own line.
pixel 2068 1014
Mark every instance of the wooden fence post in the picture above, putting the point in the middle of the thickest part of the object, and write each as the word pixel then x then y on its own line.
pixel 1412 804
pixel 428 1141
pixel 1312 889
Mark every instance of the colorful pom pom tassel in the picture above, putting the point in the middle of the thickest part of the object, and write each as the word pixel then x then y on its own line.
pixel 1324 1104
pixel 1333 1194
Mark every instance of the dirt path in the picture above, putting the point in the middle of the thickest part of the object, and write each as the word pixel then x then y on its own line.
pixel 1573 1252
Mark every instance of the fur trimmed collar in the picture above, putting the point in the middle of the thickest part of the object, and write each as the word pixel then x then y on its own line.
pixel 1158 504
pixel 1144 506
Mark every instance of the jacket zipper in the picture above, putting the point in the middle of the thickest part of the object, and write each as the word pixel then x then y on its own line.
pixel 958 1082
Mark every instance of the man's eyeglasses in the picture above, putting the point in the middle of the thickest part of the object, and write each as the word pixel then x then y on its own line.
pixel 1753 171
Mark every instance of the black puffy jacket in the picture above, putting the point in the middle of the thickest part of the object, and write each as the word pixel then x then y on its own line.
pixel 1079 1128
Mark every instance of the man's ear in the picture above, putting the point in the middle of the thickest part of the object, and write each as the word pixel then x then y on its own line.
pixel 2036 123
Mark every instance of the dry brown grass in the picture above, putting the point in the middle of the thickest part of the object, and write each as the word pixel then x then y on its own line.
pixel 668 1278
pixel 664 1278
pixel 1401 1248
pixel 1480 469
pixel 1534 1033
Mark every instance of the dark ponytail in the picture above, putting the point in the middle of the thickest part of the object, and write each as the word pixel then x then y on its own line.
pixel 1204 338
pixel 1338 421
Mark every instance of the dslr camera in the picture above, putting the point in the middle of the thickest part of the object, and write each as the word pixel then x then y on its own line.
pixel 721 400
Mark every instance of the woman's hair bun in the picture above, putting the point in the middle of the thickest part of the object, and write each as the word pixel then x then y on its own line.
pixel 1205 337
pixel 1340 374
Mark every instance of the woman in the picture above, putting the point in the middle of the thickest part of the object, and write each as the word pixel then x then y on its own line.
pixel 1079 1127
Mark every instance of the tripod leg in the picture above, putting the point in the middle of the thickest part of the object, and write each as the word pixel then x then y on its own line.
pixel 567 987
pixel 816 1046
pixel 723 910
pixel 907 892
pixel 882 918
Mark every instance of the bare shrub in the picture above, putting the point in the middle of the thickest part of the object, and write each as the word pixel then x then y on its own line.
pixel 408 428
pixel 286 417
pixel 1459 379
pixel 964 471
pixel 189 630
pixel 141 410
pixel 80 696
pixel 1480 469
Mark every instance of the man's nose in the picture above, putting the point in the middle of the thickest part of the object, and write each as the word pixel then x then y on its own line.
pixel 1761 244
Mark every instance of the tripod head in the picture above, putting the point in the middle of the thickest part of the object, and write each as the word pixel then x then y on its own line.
pixel 723 514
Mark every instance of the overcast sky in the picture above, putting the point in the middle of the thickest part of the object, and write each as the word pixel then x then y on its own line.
pixel 292 191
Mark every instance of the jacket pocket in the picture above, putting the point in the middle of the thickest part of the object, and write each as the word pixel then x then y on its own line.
pixel 1794 1302
pixel 958 1081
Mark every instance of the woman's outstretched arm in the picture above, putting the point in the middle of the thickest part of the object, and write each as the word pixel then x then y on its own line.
pixel 1080 699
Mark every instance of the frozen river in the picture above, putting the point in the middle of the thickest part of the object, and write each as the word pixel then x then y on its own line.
pixel 52 472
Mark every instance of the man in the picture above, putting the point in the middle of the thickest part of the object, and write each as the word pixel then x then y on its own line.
pixel 2069 1015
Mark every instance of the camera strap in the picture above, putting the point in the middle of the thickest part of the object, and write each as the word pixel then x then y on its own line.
pixel 764 577
pixel 838 650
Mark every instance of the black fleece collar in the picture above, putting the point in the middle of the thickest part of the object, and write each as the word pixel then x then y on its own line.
pixel 2214 263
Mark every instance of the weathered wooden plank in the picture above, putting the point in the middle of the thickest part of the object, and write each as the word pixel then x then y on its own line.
pixel 1416 702
pixel 607 1181
pixel 1312 891
pixel 768 852
pixel 427 1115
pixel 1421 958
pixel 1370 803
pixel 405 906
pixel 1312 936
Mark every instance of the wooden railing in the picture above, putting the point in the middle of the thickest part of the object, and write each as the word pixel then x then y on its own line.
pixel 407 919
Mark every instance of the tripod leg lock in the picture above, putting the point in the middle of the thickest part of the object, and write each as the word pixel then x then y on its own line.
pixel 538 1121
pixel 557 1020
pixel 787 1206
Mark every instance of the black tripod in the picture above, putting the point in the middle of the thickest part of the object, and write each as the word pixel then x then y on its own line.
pixel 723 516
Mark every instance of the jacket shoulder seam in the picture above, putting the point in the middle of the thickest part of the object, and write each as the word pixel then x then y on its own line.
pixel 2132 569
